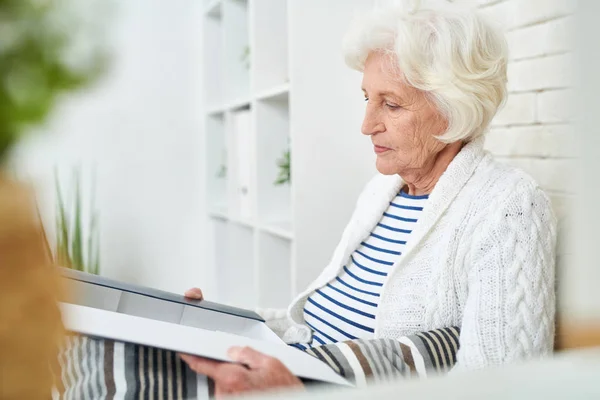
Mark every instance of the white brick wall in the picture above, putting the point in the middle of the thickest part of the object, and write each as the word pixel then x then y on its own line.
pixel 555 106
pixel 534 141
pixel 500 13
pixel 540 73
pixel 513 14
pixel 533 130
pixel 529 12
pixel 541 39
pixel 520 108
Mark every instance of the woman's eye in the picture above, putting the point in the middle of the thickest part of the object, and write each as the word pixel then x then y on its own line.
pixel 366 99
pixel 392 106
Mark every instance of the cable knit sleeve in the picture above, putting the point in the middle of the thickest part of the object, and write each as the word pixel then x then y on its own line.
pixel 509 311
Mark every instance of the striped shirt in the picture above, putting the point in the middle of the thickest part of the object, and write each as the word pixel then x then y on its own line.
pixel 345 308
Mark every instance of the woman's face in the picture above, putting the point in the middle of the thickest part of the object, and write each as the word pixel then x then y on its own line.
pixel 400 119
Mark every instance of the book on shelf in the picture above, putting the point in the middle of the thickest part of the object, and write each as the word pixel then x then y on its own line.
pixel 243 138
pixel 109 309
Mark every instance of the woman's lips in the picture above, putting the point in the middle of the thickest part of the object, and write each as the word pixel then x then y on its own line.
pixel 380 149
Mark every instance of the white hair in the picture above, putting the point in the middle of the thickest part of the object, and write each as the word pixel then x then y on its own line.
pixel 451 53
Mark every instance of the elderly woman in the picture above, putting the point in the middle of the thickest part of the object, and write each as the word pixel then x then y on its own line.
pixel 444 236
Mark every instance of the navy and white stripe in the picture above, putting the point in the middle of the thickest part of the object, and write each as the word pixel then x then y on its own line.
pixel 345 308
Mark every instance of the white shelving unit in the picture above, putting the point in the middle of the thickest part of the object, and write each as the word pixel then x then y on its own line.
pixel 292 93
pixel 246 74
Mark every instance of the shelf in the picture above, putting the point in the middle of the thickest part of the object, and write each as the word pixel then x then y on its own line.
pixel 281 229
pixel 238 104
pixel 278 93
pixel 243 222
pixel 213 9
pixel 219 214
pixel 216 110
pixel 224 217
pixel 247 84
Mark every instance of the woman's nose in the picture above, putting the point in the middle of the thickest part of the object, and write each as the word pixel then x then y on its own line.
pixel 371 123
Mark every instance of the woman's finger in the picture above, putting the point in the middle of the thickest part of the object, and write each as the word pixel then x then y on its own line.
pixel 202 366
pixel 194 293
pixel 248 356
pixel 229 378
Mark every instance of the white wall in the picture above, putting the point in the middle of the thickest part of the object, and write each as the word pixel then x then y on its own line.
pixel 140 126
pixel 332 160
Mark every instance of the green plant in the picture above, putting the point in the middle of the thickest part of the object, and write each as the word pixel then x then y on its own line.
pixel 71 239
pixel 284 169
pixel 222 171
pixel 245 57
pixel 35 68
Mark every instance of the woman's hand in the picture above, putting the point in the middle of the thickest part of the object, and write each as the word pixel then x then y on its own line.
pixel 194 294
pixel 255 372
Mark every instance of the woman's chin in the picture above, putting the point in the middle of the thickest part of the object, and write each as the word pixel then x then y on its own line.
pixel 385 168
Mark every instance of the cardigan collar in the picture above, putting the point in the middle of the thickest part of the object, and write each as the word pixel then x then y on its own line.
pixel 373 204
pixel 460 169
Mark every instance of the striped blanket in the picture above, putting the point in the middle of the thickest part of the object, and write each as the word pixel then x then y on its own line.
pixel 103 369
pixel 380 360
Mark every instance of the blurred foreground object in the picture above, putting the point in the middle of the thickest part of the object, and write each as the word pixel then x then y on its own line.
pixel 38 63
pixel 30 324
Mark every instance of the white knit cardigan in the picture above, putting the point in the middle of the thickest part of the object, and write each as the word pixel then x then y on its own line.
pixel 481 257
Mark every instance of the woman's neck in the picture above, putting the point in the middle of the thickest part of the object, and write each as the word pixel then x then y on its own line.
pixel 422 183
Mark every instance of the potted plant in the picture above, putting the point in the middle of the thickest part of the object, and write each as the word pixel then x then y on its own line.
pixel 76 246
pixel 284 169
